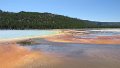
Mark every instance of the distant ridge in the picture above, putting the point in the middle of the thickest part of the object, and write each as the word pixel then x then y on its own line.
pixel 35 20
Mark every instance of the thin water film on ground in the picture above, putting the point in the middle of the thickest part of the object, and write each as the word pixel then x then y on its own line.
pixel 70 49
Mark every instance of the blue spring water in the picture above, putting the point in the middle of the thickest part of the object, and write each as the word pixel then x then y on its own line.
pixel 7 34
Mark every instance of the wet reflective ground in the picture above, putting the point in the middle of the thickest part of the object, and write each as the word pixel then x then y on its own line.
pixel 57 54
pixel 60 55
pixel 80 55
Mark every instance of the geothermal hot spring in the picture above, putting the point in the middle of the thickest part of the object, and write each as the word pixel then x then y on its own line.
pixel 50 54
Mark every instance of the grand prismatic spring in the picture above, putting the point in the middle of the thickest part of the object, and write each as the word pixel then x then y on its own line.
pixel 67 48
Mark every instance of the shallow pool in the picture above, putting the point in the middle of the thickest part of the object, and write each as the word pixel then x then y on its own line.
pixel 7 34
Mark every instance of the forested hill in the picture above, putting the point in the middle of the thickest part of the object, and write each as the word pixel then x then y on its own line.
pixel 35 20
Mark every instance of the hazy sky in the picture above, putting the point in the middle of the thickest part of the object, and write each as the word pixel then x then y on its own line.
pixel 96 10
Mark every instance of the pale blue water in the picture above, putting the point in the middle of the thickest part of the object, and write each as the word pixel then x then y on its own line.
pixel 7 34
pixel 93 33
